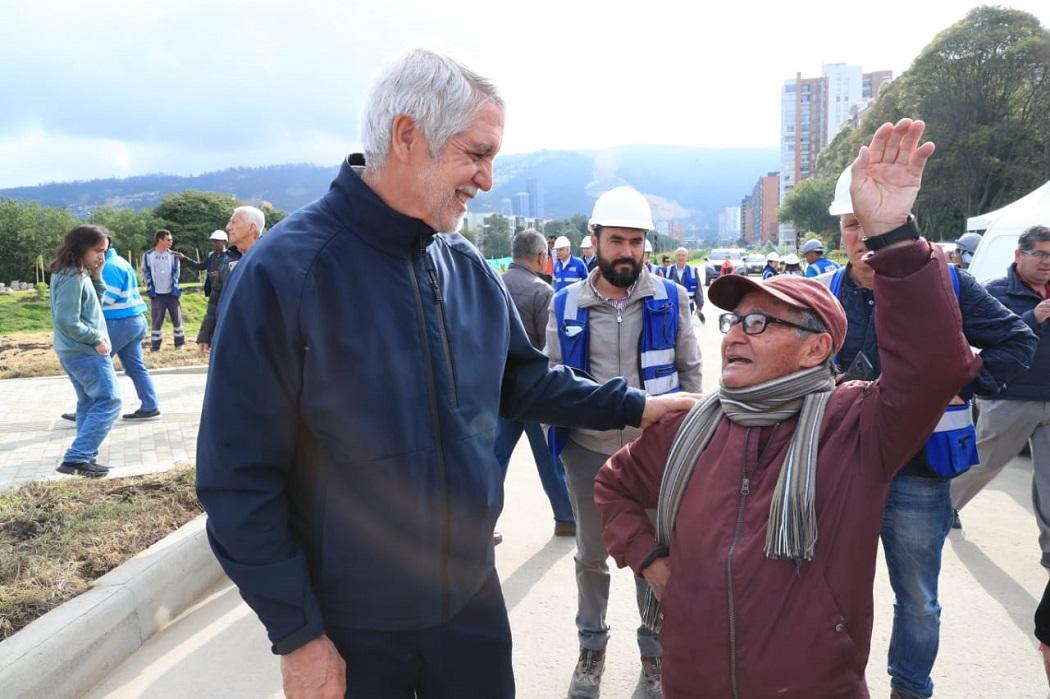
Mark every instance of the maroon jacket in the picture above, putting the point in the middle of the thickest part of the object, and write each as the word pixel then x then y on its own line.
pixel 799 631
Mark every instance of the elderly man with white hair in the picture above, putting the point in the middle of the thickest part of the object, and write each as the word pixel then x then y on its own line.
pixel 245 227
pixel 688 276
pixel 365 353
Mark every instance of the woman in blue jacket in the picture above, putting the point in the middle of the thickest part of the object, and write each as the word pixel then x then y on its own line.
pixel 82 344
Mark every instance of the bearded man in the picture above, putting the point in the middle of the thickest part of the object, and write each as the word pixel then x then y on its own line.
pixel 621 321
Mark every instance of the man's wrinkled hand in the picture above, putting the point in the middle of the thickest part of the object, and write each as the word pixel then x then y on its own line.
pixel 886 175
pixel 657 574
pixel 658 406
pixel 1042 311
pixel 314 671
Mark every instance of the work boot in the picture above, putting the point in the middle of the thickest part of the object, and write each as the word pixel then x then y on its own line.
pixel 587 677
pixel 89 469
pixel 564 528
pixel 956 522
pixel 651 677
pixel 72 417
pixel 497 538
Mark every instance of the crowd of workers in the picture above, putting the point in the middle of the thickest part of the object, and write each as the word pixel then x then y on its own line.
pixel 380 402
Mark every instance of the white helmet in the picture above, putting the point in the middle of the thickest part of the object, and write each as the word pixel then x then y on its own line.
pixel 562 242
pixel 586 242
pixel 219 235
pixel 622 207
pixel 772 257
pixel 648 246
pixel 812 245
pixel 791 259
pixel 843 203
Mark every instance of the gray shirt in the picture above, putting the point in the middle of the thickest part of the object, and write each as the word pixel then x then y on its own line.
pixel 160 264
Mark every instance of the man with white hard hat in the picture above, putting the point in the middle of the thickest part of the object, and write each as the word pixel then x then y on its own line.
pixel 210 263
pixel 567 268
pixel 587 252
pixel 620 321
pixel 813 251
pixel 647 256
pixel 918 512
pixel 772 267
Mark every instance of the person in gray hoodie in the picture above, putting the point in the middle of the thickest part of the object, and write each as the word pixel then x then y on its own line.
pixel 82 344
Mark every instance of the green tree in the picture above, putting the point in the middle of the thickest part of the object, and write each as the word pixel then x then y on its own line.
pixel 132 230
pixel 29 231
pixel 806 207
pixel 191 217
pixel 495 242
pixel 983 88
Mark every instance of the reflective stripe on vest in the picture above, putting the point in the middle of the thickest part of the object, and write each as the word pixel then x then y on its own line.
pixel 957 417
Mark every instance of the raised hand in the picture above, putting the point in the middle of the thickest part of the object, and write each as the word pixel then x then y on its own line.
pixel 886 175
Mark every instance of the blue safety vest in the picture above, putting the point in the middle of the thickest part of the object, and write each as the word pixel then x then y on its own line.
pixel 572 271
pixel 821 266
pixel 952 447
pixel 656 346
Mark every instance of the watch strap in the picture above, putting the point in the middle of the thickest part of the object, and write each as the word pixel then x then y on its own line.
pixel 908 231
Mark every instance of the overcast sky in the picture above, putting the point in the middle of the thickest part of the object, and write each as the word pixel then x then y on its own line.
pixel 127 87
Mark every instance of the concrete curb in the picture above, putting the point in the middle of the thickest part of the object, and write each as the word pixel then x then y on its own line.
pixel 189 369
pixel 75 645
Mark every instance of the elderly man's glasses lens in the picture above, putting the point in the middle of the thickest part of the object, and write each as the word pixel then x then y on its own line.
pixel 755 323
pixel 1041 255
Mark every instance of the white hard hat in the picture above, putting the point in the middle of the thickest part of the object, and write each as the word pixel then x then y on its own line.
pixel 562 242
pixel 791 259
pixel 772 257
pixel 843 203
pixel 648 246
pixel 219 235
pixel 622 207
pixel 586 242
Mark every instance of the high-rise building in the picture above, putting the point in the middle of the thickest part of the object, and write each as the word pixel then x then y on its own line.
pixel 812 110
pixel 747 219
pixel 765 200
pixel 521 204
pixel 535 187
pixel 729 224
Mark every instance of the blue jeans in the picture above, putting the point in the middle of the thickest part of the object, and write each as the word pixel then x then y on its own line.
pixel 552 475
pixel 98 403
pixel 915 524
pixel 125 336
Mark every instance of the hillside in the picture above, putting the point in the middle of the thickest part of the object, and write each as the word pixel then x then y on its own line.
pixel 689 184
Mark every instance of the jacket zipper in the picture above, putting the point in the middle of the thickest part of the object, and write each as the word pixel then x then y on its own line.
pixel 440 301
pixel 438 445
pixel 745 490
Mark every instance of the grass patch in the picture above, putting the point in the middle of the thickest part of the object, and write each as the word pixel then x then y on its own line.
pixel 29 352
pixel 58 536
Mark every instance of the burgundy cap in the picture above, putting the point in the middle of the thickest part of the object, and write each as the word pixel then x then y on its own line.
pixel 800 292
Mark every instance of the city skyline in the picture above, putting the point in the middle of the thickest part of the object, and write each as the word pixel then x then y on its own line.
pixel 198 85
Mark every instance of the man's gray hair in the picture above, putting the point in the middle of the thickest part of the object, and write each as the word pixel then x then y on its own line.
pixel 253 215
pixel 440 94
pixel 1031 236
pixel 681 250
pixel 528 243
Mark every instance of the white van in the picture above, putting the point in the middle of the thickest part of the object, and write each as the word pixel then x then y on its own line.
pixel 994 255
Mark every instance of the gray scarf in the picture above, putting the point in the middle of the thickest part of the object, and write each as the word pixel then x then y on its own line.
pixel 792 529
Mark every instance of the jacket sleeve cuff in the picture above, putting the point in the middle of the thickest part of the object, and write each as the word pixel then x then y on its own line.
pixel 658 552
pixel 297 639
pixel 904 260
pixel 641 551
pixel 634 406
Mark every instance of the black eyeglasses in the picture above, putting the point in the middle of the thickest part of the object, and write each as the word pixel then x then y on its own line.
pixel 755 323
pixel 1041 255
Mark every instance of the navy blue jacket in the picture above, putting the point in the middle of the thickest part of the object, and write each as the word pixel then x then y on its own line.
pixel 345 456
pixel 1006 344
pixel 1013 293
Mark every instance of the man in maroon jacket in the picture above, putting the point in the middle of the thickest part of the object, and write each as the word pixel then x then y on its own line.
pixel 752 602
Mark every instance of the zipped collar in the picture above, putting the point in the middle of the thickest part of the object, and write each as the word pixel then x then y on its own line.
pixel 362 212
pixel 1017 286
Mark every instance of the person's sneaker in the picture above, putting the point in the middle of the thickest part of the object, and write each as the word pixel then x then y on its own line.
pixel 72 417
pixel 956 522
pixel 651 677
pixel 89 469
pixel 565 528
pixel 587 677
pixel 141 414
pixel 497 538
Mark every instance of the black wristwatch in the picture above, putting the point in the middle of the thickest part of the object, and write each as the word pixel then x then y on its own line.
pixel 906 232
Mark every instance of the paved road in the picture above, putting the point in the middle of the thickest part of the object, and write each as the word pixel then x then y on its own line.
pixel 990 585
pixel 33 437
